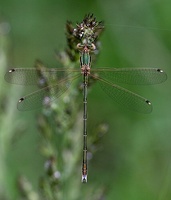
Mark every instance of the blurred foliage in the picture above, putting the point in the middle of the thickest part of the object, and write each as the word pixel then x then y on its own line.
pixel 132 161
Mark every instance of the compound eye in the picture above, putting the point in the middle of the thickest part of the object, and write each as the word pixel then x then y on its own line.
pixel 79 46
pixel 93 47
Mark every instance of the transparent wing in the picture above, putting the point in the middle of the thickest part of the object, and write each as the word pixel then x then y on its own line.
pixel 137 76
pixel 125 97
pixel 45 95
pixel 33 76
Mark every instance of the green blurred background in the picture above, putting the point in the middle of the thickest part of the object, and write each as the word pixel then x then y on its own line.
pixel 134 161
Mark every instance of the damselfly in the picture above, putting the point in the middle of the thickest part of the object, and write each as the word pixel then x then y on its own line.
pixel 108 79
